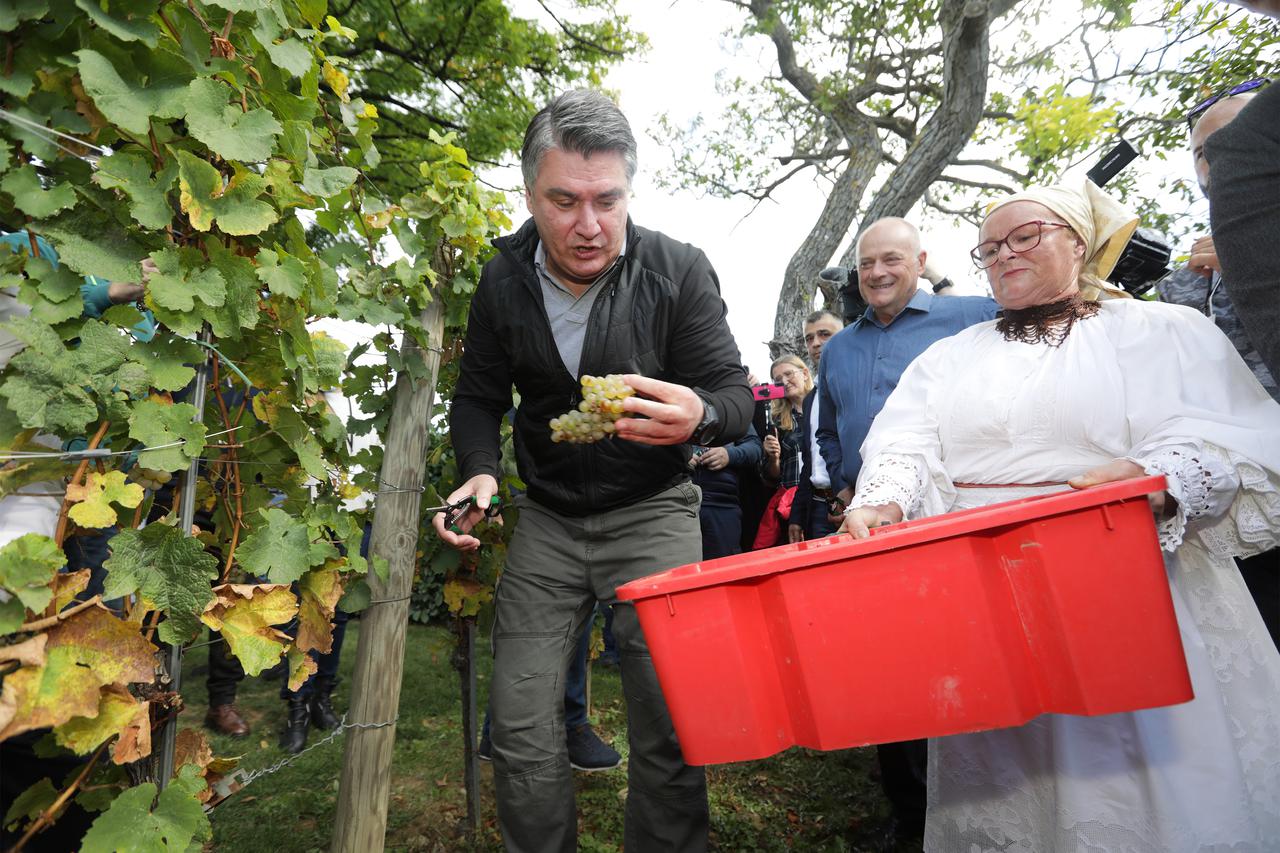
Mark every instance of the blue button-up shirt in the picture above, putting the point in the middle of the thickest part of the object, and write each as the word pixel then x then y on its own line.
pixel 862 363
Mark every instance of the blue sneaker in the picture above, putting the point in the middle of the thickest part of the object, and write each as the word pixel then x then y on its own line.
pixel 587 752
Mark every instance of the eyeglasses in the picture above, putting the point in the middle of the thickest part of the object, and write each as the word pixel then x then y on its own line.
pixel 786 374
pixel 1024 238
pixel 1193 114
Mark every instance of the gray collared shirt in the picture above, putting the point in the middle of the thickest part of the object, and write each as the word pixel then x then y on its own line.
pixel 568 314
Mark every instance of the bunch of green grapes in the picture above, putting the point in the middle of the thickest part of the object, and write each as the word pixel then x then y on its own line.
pixel 601 405
pixel 149 478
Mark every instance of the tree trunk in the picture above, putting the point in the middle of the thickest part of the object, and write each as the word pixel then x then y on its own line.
pixel 361 822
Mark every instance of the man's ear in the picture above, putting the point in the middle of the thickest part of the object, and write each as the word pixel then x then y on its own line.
pixel 528 200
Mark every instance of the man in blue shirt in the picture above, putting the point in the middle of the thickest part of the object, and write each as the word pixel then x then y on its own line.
pixel 860 367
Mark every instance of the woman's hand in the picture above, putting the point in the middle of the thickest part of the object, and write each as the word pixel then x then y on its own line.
pixel 1163 506
pixel 772 448
pixel 859 522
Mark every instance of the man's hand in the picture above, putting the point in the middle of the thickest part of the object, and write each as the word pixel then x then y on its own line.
pixel 673 412
pixel 483 487
pixel 120 292
pixel 1204 258
pixel 1162 504
pixel 795 533
pixel 714 458
pixel 859 522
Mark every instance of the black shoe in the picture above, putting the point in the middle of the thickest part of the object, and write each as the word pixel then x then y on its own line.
pixel 484 751
pixel 321 706
pixel 587 752
pixel 293 739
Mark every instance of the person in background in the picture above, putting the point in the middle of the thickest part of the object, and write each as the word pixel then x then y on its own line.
pixel 1066 390
pixel 815 512
pixel 860 368
pixel 1201 285
pixel 716 471
pixel 782 448
pixel 580 290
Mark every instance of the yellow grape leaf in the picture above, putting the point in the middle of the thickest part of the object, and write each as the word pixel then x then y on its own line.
pixel 301 667
pixel 117 711
pixel 320 590
pixel 66 586
pixel 93 499
pixel 465 596
pixel 83 654
pixel 245 614
pixel 135 739
pixel 337 81
pixel 337 29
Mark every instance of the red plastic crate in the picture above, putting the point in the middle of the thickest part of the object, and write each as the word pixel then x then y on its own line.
pixel 973 620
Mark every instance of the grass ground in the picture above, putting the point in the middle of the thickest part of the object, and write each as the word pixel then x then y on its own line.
pixel 801 800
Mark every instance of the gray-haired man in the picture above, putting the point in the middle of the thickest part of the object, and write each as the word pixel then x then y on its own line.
pixel 581 290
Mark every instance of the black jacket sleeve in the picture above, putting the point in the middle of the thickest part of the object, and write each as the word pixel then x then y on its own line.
pixel 704 353
pixel 483 394
pixel 804 490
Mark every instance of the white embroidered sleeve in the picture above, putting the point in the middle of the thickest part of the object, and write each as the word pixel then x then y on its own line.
pixel 891 478
pixel 1200 480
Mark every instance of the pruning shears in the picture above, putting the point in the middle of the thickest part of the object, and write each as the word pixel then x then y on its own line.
pixel 454 510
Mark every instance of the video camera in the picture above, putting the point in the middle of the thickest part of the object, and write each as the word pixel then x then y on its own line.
pixel 1145 259
pixel 768 391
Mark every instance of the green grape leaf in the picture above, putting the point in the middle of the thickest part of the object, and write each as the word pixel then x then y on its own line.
pixel 33 199
pixel 170 570
pixel 117 710
pixel 39 394
pixel 465 596
pixel 328 182
pixel 27 565
pixel 30 803
pixel 134 28
pixel 229 132
pixel 106 257
pixel 170 362
pixel 148 197
pixel 244 614
pixel 48 310
pixel 241 5
pixel 279 177
pixel 240 310
pixel 131 826
pixel 17 11
pixel 56 284
pixel 282 273
pixel 278 550
pixel 102 350
pixel 12 614
pixel 6 152
pixel 94 497
pixel 84 653
pixel 292 55
pixel 155 424
pixel 357 597
pixel 234 206
pixel 178 281
pixel 132 103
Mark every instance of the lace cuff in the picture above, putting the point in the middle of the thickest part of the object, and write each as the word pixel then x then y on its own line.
pixel 1203 484
pixel 891 478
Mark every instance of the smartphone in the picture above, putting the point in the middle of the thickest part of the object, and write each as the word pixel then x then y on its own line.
pixel 768 391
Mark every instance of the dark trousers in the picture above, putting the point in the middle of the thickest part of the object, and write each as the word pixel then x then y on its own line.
pixel 721 531
pixel 1261 574
pixel 575 684
pixel 225 672
pixel 903 776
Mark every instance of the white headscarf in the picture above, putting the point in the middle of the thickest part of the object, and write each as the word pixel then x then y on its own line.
pixel 1100 221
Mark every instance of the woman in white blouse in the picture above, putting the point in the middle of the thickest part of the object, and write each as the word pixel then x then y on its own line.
pixel 1073 388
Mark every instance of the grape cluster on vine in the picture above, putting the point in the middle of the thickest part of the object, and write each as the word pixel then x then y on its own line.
pixel 601 405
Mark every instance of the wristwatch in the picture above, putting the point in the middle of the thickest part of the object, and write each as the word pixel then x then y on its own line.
pixel 709 427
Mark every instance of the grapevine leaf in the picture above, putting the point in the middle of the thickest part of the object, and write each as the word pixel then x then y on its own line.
pixel 34 200
pixel 178 281
pixel 241 5
pixel 357 597
pixel 291 55
pixel 229 132
pixel 328 182
pixel 6 152
pixel 109 258
pixel 84 653
pixel 240 310
pixel 67 585
pixel 13 13
pixel 319 592
pixel 48 310
pixel 134 28
pixel 27 564
pixel 56 283
pixel 301 667
pixel 116 710
pixel 170 361
pixel 170 570
pixel 148 196
pixel 94 498
pixel 244 614
pixel 154 424
pixel 30 803
pixel 131 826
pixel 12 615
pixel 279 177
pixel 282 273
pixel 278 550
pixel 131 103
pixel 30 652
pixel 465 596
pixel 235 206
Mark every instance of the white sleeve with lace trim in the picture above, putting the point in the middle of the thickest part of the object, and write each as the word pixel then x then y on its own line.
pixel 891 478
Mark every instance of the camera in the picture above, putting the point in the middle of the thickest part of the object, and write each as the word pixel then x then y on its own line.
pixel 768 391
pixel 1145 259
pixel 846 282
